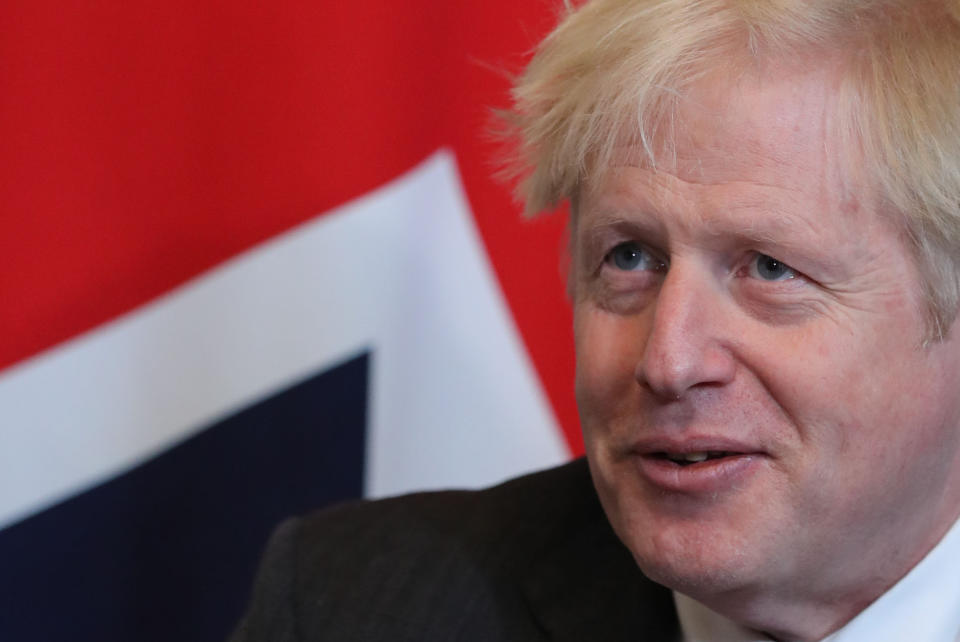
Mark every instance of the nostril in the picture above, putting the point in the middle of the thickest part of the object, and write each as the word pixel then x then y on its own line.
pixel 670 378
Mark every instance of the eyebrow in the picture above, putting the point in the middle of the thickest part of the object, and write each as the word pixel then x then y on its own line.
pixel 773 229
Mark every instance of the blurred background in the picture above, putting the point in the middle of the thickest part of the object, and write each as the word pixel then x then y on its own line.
pixel 254 262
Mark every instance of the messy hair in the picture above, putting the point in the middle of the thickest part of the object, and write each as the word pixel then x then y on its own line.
pixel 615 70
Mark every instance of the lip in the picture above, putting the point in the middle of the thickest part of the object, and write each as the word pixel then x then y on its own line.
pixel 709 476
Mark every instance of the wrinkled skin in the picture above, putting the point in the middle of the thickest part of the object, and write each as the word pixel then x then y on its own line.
pixel 812 364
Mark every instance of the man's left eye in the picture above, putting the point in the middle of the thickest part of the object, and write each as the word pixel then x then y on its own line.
pixel 768 268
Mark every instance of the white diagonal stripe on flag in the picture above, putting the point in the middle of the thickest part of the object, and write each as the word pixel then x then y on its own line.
pixel 401 272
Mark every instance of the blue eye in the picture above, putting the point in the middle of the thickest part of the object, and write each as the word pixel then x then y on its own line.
pixel 632 257
pixel 770 269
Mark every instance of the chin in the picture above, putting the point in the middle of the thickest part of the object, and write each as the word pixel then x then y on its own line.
pixel 698 573
pixel 695 548
pixel 675 557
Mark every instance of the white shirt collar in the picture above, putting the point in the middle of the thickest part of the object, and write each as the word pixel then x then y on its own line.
pixel 923 605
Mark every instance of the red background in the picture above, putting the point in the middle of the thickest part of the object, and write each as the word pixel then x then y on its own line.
pixel 144 143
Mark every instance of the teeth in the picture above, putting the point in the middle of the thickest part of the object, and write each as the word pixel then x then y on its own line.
pixel 695 457
pixel 688 457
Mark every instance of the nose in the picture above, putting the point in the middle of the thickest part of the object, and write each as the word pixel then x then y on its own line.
pixel 687 342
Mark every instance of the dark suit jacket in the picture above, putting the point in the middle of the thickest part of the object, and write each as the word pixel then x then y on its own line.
pixel 531 559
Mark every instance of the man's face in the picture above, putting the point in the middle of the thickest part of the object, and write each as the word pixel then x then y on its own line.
pixel 746 302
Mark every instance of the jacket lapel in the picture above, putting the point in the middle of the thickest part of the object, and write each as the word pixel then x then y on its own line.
pixel 587 587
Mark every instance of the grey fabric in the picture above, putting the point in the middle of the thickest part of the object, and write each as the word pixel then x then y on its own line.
pixel 531 559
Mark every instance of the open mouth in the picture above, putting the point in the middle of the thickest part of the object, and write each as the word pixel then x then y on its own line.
pixel 687 459
pixel 682 468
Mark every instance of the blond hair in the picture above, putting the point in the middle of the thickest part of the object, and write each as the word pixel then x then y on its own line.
pixel 613 71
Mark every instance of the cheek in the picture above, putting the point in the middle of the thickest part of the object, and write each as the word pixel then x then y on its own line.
pixel 608 348
pixel 861 402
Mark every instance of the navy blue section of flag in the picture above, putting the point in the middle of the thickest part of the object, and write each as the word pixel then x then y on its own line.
pixel 167 551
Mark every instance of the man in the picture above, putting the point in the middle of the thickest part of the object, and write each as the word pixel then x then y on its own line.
pixel 765 259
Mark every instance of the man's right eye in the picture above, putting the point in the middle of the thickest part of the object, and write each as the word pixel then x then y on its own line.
pixel 632 257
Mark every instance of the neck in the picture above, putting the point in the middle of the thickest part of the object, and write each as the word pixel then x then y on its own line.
pixel 791 621
pixel 817 609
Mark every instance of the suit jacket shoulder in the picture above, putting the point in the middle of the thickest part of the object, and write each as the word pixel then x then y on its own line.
pixel 531 559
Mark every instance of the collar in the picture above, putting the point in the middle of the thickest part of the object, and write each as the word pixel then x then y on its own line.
pixel 923 605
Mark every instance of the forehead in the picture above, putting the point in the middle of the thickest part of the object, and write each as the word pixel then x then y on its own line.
pixel 778 130
pixel 772 118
